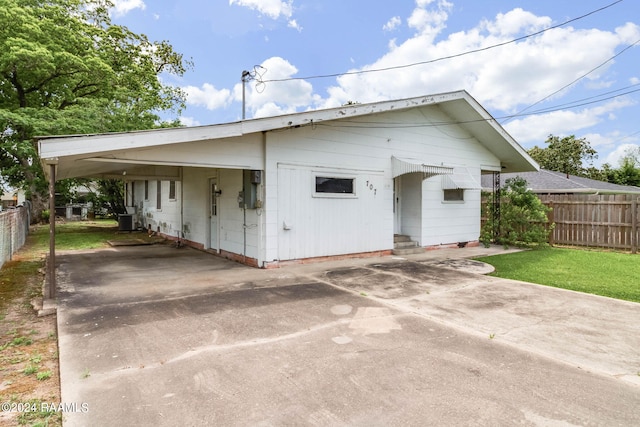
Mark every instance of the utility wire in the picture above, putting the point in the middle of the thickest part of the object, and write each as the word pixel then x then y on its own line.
pixel 576 80
pixel 431 61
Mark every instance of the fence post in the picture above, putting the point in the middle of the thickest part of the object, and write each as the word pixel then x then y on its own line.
pixel 634 226
pixel 550 224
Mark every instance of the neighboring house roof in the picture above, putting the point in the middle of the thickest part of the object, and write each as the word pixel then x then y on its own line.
pixel 96 155
pixel 552 182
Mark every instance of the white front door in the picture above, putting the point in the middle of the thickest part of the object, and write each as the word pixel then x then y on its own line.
pixel 213 214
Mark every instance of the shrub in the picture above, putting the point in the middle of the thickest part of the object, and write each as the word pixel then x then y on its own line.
pixel 522 217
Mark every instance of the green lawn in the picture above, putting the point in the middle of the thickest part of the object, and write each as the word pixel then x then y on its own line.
pixel 610 274
pixel 77 235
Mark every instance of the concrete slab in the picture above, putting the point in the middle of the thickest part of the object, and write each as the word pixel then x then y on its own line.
pixel 153 335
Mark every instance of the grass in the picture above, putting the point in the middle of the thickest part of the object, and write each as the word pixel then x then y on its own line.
pixel 609 274
pixel 79 235
pixel 28 344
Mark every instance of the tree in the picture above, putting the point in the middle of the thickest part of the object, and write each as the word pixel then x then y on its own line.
pixel 567 155
pixel 522 216
pixel 628 173
pixel 66 69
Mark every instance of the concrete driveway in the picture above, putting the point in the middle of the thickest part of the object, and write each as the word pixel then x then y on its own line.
pixel 153 335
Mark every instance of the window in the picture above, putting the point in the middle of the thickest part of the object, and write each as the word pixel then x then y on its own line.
pixel 172 190
pixel 454 195
pixel 146 190
pixel 133 193
pixel 158 195
pixel 334 185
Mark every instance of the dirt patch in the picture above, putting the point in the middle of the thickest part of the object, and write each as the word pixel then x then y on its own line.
pixel 30 381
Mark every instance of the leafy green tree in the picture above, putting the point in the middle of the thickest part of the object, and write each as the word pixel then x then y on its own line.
pixel 628 173
pixel 66 69
pixel 567 155
pixel 523 217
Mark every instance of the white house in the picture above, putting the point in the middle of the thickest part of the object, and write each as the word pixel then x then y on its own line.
pixel 332 182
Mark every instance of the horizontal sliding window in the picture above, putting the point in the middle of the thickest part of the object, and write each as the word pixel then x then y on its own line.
pixel 330 185
pixel 454 195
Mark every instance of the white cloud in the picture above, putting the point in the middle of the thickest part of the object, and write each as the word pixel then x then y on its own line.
pixel 430 22
pixel 616 155
pixel 507 78
pixel 189 121
pixel 536 128
pixel 515 22
pixel 207 96
pixel 274 9
pixel 294 24
pixel 393 23
pixel 122 7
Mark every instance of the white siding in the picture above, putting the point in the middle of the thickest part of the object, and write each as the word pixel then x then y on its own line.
pixel 449 222
pixel 321 225
pixel 195 182
pixel 236 235
pixel 368 146
pixel 166 219
pixel 293 224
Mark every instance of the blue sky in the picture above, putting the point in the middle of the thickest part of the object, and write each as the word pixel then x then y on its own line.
pixel 302 39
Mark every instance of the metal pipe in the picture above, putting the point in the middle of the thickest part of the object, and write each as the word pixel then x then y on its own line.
pixel 245 77
pixel 51 284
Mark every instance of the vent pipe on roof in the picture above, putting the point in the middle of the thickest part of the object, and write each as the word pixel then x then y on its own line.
pixel 246 76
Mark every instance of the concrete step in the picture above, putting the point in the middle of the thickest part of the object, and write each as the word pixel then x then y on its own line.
pixel 403 245
pixel 401 238
pixel 408 251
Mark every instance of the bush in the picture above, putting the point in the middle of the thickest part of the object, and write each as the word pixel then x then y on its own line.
pixel 522 217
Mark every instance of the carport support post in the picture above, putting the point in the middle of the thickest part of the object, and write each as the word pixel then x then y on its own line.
pixel 50 291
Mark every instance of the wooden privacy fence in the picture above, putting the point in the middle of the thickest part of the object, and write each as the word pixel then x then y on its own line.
pixel 607 221
pixel 603 221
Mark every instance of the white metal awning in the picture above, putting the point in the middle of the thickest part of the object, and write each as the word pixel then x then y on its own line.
pixel 461 179
pixel 401 166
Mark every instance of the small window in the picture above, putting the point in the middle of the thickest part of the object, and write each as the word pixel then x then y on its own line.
pixel 158 195
pixel 455 195
pixel 146 190
pixel 334 185
pixel 172 190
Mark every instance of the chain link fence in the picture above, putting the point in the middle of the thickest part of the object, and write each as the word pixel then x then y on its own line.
pixel 14 227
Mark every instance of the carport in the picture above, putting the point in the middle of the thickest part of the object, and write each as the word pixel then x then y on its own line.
pixel 151 157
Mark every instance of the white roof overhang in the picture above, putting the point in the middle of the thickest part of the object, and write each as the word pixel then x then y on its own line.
pixel 110 155
pixel 471 116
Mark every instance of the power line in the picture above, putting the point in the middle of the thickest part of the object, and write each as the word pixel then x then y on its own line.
pixel 578 79
pixel 431 61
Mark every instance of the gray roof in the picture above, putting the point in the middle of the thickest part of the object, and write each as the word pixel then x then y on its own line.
pixel 552 182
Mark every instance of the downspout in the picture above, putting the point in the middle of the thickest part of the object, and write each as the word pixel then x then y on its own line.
pixel 262 219
pixel 244 231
